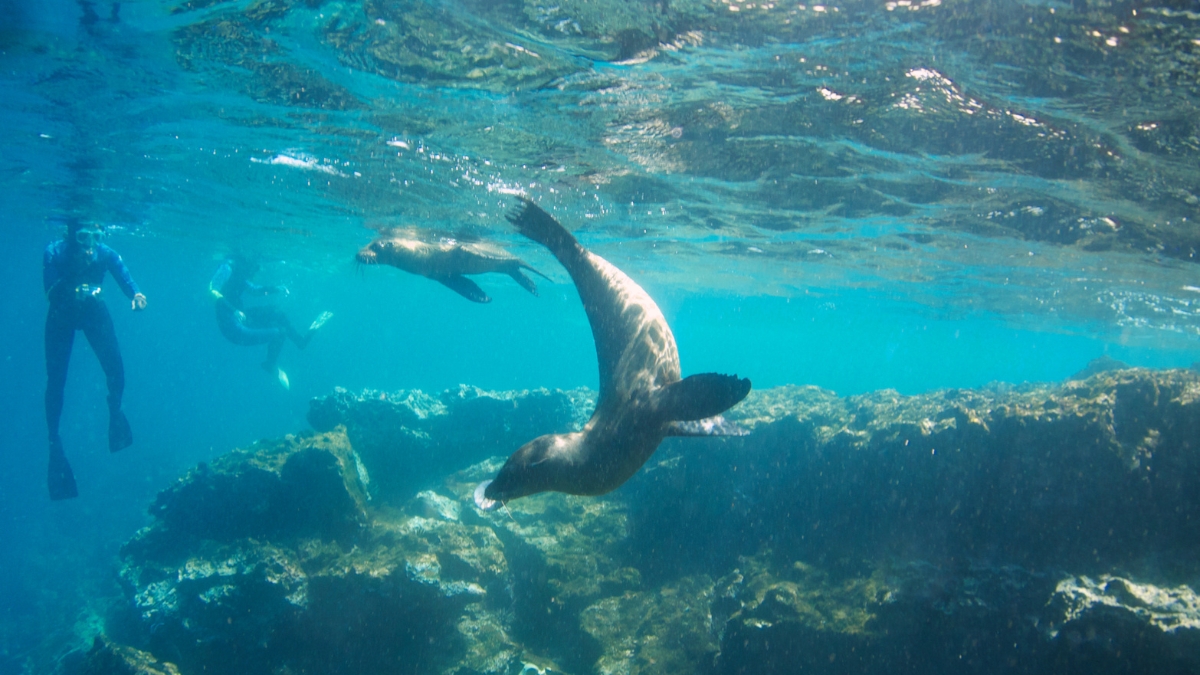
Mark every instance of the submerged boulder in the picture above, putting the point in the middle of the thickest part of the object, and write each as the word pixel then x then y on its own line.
pixel 107 658
pixel 1047 528
pixel 411 440
pixel 1087 475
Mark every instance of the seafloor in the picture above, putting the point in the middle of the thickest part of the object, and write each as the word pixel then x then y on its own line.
pixel 1033 529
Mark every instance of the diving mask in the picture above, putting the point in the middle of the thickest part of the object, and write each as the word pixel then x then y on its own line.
pixel 88 238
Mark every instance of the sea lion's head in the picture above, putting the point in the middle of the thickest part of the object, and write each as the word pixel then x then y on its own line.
pixel 535 467
pixel 396 251
pixel 369 254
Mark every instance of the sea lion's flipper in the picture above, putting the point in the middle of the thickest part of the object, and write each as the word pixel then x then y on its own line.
pixel 522 265
pixel 465 287
pixel 697 397
pixel 60 479
pixel 533 222
pixel 525 281
pixel 622 315
pixel 710 426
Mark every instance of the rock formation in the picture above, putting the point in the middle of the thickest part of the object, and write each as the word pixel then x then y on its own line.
pixel 1043 529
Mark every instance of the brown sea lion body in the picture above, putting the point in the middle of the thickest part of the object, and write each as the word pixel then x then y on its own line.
pixel 446 259
pixel 642 398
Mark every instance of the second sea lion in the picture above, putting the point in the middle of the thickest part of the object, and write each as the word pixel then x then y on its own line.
pixel 446 259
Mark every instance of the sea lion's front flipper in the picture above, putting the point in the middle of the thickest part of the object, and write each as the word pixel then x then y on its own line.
pixel 533 222
pixel 710 426
pixel 525 281
pixel 465 287
pixel 697 397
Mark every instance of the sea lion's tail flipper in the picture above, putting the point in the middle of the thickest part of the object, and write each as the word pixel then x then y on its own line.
pixel 701 396
pixel 521 264
pixel 465 287
pixel 525 281
pixel 710 426
pixel 533 222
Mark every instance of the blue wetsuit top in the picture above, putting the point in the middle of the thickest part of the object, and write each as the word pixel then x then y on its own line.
pixel 65 268
pixel 232 293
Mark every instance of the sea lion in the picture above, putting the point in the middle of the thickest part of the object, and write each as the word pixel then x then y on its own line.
pixel 642 398
pixel 446 259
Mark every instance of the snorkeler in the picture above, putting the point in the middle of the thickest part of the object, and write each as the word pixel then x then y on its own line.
pixel 72 271
pixel 248 326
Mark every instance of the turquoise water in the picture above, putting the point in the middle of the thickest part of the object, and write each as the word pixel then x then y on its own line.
pixel 873 195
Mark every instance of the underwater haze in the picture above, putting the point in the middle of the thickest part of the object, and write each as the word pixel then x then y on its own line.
pixel 861 195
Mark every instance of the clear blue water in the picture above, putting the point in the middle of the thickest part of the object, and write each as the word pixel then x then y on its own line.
pixel 857 198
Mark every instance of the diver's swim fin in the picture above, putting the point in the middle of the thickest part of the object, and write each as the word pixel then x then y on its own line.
pixel 60 479
pixel 320 321
pixel 120 436
pixel 283 379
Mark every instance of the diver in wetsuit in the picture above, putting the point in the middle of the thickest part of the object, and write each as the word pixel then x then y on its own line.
pixel 72 271
pixel 248 326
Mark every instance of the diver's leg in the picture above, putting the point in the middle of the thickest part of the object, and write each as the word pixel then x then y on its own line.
pixel 98 327
pixel 302 339
pixel 274 348
pixel 299 339
pixel 275 318
pixel 60 336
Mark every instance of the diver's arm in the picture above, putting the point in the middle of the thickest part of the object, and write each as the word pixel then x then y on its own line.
pixel 51 273
pixel 118 270
pixel 218 281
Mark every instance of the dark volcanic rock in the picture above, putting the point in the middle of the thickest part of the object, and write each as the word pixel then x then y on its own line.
pixel 1040 529
pixel 1089 475
pixel 256 566
pixel 411 440
pixel 106 658
pixel 1098 365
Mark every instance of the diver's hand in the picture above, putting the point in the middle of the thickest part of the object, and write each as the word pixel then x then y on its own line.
pixel 139 302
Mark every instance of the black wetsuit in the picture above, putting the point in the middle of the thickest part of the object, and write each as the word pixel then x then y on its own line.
pixel 248 326
pixel 72 283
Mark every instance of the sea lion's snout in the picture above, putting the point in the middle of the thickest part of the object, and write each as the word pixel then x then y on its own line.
pixel 367 255
pixel 481 499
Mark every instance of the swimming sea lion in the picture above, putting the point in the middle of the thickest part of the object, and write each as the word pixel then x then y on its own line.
pixel 642 398
pixel 446 259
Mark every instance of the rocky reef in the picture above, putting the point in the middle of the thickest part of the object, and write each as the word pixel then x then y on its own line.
pixel 1040 529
